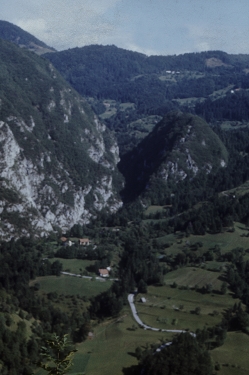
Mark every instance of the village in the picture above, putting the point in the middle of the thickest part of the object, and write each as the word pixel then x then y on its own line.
pixel 102 272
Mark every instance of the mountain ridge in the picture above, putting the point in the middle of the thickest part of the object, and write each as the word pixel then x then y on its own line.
pixel 58 161
pixel 22 38
pixel 180 146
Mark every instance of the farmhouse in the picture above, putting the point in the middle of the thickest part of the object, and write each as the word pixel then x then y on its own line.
pixel 84 241
pixel 103 272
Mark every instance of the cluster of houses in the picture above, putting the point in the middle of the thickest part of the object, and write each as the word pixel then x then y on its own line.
pixel 81 241
pixel 103 272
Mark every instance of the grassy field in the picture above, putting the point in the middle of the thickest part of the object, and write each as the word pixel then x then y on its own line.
pixel 75 265
pixel 238 191
pixel 167 78
pixel 192 276
pixel 153 210
pixel 109 113
pixel 173 308
pixel 228 125
pixel 233 356
pixel 69 285
pixel 124 106
pixel 227 240
pixel 188 101
pixel 113 347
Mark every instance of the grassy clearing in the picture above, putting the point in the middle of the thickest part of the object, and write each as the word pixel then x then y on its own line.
pixel 70 285
pixel 154 210
pixel 165 304
pixel 167 78
pixel 187 101
pixel 108 113
pixel 220 93
pixel 193 276
pixel 228 125
pixel 145 124
pixel 124 106
pixel 227 241
pixel 74 265
pixel 238 191
pixel 113 346
pixel 234 353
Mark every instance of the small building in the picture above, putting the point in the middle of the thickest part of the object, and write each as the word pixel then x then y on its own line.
pixel 90 335
pixel 84 241
pixel 103 272
pixel 142 299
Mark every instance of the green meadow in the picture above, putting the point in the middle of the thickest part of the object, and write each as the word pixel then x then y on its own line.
pixel 233 356
pixel 69 285
pixel 194 276
pixel 227 241
pixel 74 265
pixel 174 308
pixel 113 346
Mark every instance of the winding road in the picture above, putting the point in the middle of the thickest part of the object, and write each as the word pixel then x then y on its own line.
pixel 139 321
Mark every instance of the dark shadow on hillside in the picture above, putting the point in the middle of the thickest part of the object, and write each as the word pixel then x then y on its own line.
pixel 132 370
pixel 91 268
pixel 222 278
pixel 245 229
pixel 132 354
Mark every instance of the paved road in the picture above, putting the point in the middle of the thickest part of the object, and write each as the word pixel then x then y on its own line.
pixel 87 277
pixel 139 321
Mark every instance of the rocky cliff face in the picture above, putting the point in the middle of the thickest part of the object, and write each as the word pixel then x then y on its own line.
pixel 57 161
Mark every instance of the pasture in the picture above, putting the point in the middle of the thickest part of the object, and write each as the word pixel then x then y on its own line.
pixel 75 265
pixel 227 241
pixel 69 285
pixel 113 346
pixel 153 209
pixel 128 105
pixel 233 355
pixel 174 308
pixel 192 276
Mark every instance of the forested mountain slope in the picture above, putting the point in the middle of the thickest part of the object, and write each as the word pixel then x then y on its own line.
pixel 57 160
pixel 180 147
pixel 126 86
pixel 22 38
